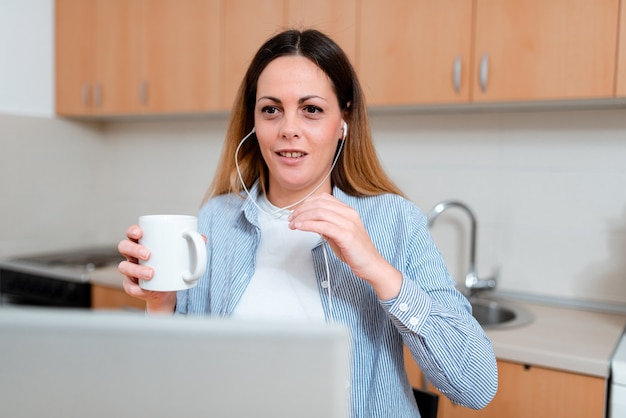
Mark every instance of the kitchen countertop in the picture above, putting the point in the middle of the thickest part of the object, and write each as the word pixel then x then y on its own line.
pixel 569 339
pixel 107 276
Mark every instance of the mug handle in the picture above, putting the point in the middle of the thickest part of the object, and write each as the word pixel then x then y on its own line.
pixel 198 254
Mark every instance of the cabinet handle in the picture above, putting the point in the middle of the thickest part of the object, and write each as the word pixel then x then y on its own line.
pixel 97 95
pixel 484 72
pixel 143 92
pixel 84 94
pixel 456 73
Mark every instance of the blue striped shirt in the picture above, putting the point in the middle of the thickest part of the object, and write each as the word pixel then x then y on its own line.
pixel 430 316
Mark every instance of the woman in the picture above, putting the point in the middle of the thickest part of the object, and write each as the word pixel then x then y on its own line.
pixel 302 223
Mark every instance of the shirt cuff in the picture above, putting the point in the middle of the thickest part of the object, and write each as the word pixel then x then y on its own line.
pixel 410 309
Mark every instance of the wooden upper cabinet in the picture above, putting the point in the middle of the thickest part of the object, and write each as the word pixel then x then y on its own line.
pixel 337 19
pixel 537 49
pixel 178 56
pixel 415 51
pixel 115 57
pixel 73 23
pixel 621 58
pixel 95 56
pixel 522 50
pixel 184 56
pixel 245 26
pixel 120 57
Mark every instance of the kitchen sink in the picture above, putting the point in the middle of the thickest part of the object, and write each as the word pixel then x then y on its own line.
pixel 492 314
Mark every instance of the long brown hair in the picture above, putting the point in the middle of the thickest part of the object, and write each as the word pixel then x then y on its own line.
pixel 358 171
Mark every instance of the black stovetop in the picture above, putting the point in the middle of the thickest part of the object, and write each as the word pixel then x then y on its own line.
pixel 70 264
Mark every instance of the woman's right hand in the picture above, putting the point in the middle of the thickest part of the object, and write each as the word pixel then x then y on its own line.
pixel 156 302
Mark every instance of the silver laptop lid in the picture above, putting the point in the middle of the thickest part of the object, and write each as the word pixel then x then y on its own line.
pixel 58 363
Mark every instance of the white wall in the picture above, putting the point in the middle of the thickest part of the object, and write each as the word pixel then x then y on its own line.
pixel 157 167
pixel 48 176
pixel 27 57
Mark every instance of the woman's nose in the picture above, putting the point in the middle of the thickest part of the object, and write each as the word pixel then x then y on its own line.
pixel 290 128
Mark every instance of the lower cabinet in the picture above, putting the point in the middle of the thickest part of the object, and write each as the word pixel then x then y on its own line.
pixel 103 297
pixel 530 391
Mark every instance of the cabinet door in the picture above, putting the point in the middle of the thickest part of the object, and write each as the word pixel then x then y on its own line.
pixel 115 48
pixel 108 298
pixel 336 19
pixel 415 51
pixel 245 26
pixel 73 60
pixel 179 50
pixel 528 391
pixel 537 49
pixel 621 58
pixel 96 47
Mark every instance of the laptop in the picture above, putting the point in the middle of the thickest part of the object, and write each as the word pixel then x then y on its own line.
pixel 80 363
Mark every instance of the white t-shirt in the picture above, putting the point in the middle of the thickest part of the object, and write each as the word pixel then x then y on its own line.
pixel 283 286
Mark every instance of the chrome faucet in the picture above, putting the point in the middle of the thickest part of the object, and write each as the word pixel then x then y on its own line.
pixel 473 284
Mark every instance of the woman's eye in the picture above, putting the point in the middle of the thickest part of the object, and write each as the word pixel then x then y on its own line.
pixel 312 109
pixel 269 109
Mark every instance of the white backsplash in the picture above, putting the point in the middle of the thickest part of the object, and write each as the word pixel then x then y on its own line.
pixel 548 188
pixel 48 183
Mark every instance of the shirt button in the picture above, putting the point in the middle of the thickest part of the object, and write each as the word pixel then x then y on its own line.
pixel 413 321
pixel 325 284
pixel 403 307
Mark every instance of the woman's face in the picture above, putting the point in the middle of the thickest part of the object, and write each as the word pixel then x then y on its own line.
pixel 298 123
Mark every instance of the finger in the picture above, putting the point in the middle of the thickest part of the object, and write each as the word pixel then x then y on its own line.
pixel 133 251
pixel 329 229
pixel 314 204
pixel 135 271
pixel 328 220
pixel 324 201
pixel 134 233
pixel 131 287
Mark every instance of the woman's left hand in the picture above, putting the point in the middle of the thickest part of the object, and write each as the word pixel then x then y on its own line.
pixel 342 227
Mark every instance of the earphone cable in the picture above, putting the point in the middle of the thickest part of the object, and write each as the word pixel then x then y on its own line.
pixel 278 211
pixel 328 287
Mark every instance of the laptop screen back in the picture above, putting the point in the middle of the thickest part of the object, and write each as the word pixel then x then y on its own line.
pixel 58 363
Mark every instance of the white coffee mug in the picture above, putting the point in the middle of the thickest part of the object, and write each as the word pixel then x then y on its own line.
pixel 177 251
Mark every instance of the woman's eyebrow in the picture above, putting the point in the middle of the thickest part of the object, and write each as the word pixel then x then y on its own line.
pixel 270 98
pixel 300 101
pixel 312 96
